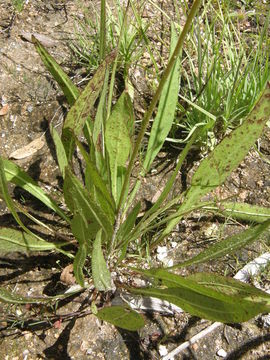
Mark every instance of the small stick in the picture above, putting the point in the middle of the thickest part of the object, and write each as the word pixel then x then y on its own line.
pixel 191 341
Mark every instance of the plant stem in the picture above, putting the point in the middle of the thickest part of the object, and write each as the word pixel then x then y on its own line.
pixel 102 48
pixel 155 99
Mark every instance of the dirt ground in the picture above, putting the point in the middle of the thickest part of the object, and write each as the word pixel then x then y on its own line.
pixel 70 331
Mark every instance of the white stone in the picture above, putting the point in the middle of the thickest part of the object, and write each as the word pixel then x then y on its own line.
pixel 222 353
pixel 162 350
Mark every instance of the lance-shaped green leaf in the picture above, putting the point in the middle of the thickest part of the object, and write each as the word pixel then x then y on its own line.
pixel 95 178
pixel 202 301
pixel 228 310
pixel 80 201
pixel 122 317
pixel 230 286
pixel 228 245
pixel 166 109
pixel 125 230
pixel 80 111
pixel 84 231
pixel 118 141
pixel 20 178
pixel 60 150
pixel 242 211
pixel 215 169
pixel 9 297
pixel 69 89
pixel 78 264
pixel 9 202
pixel 4 194
pixel 15 240
pixel 101 274
pixel 228 154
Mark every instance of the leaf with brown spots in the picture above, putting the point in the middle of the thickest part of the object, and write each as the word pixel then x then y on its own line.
pixel 80 111
pixel 226 157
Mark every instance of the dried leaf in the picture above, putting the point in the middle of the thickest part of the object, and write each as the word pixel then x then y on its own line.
pixel 28 150
pixel 4 110
pixel 44 39
pixel 67 275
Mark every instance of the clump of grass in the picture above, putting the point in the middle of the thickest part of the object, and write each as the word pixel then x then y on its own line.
pixel 86 47
pixel 221 75
pixel 18 5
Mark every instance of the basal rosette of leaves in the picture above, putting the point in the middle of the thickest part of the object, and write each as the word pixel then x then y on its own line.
pixel 102 213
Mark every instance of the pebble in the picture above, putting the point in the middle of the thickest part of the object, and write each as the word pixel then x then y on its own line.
pixel 30 108
pixel 222 353
pixel 266 320
pixel 162 350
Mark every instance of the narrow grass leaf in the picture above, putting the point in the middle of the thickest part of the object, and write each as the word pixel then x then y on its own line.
pixel 227 246
pixel 69 89
pixel 166 109
pixel 118 142
pixel 20 178
pixel 60 150
pixel 101 274
pixel 122 317
pixel 80 111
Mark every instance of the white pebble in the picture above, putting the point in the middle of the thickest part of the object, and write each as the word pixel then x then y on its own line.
pixel 222 353
pixel 162 350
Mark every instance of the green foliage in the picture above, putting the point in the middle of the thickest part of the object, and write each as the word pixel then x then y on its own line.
pixel 221 74
pixel 100 272
pixel 102 214
pixel 122 317
pixel 203 295
pixel 18 5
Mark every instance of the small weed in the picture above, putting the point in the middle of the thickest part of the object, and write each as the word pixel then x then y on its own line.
pixel 18 5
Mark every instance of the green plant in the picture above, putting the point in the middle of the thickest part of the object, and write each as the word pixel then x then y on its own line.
pixel 90 40
pixel 18 5
pixel 223 76
pixel 102 213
